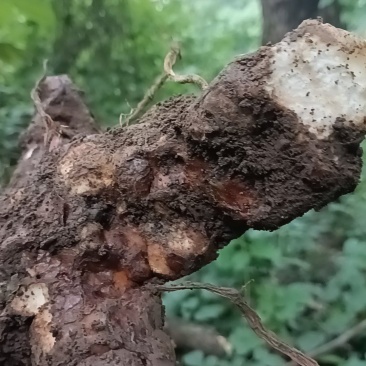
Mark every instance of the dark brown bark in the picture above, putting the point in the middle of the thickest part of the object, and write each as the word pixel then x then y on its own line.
pixel 282 16
pixel 81 320
pixel 84 227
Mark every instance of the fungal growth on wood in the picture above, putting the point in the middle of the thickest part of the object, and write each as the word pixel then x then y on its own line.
pixel 84 227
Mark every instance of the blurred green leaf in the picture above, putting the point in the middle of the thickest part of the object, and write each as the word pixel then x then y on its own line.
pixel 209 311
pixel 174 300
pixel 39 11
pixel 9 53
pixel 337 320
pixel 194 358
pixel 189 306
pixel 331 359
pixel 266 250
pixel 244 340
pixel 310 340
pixel 355 361
pixel 211 361
pixel 266 358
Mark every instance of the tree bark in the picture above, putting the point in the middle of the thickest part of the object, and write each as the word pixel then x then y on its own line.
pixel 85 226
pixel 282 16
pixel 332 14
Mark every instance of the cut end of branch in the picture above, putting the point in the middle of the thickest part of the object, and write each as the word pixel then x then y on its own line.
pixel 319 72
pixel 297 120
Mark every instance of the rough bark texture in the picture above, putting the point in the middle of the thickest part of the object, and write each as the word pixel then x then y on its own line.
pixel 50 299
pixel 102 215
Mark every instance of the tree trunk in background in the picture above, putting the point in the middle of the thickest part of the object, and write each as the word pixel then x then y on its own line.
pixel 332 14
pixel 282 16
pixel 91 222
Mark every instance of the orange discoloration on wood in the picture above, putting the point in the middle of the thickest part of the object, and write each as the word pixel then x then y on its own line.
pixel 195 172
pixel 233 196
pixel 121 280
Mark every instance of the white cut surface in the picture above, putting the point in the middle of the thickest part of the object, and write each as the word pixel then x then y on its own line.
pixel 86 169
pixel 34 301
pixel 321 76
pixel 42 340
pixel 31 300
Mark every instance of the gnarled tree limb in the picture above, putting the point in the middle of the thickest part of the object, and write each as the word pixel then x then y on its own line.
pixel 89 223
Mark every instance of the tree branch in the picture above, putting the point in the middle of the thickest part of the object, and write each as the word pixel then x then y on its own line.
pixel 337 342
pixel 169 62
pixel 253 319
pixel 148 97
pixel 59 99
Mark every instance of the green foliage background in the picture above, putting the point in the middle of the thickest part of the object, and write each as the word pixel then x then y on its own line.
pixel 308 278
